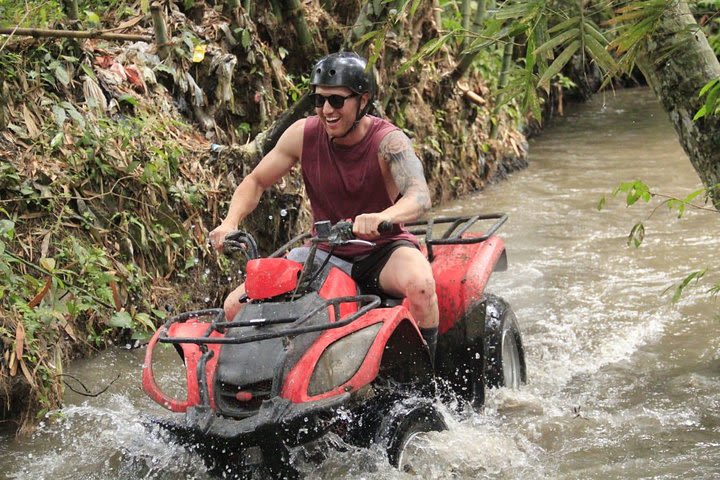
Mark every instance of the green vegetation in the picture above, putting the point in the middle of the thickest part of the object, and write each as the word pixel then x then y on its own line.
pixel 101 201
pixel 637 190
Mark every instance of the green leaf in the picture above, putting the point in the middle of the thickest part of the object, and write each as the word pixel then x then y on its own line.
pixel 700 113
pixel 92 17
pixel 414 7
pixel 564 25
pixel 245 38
pixel 557 40
pixel 693 195
pixel 59 115
pixel 560 62
pixel 696 276
pixel 637 235
pixel 62 75
pixel 7 229
pixel 57 140
pixel 48 264
pixel 601 203
pixel 120 320
pixel 635 191
pixel 144 320
pixel 127 98
pixel 510 11
pixel 708 86
pixel 599 53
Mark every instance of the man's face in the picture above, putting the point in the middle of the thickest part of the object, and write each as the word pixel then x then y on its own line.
pixel 338 121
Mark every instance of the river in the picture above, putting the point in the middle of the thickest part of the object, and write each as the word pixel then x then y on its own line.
pixel 622 383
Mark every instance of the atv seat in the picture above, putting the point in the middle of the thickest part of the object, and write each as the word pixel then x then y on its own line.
pixel 388 301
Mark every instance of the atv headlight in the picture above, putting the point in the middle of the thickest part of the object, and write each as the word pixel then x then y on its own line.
pixel 341 359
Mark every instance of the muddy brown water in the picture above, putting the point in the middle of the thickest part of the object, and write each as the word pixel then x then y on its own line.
pixel 622 383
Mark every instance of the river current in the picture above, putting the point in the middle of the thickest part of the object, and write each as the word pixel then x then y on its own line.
pixel 622 382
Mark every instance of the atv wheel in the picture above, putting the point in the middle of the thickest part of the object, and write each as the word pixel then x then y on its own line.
pixel 403 423
pixel 504 353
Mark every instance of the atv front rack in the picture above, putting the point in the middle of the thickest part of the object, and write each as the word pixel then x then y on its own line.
pixel 370 301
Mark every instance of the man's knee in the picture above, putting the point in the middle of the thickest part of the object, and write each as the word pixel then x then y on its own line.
pixel 421 289
pixel 232 303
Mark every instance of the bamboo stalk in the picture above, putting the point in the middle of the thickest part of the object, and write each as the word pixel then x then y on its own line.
pixel 465 20
pixel 71 10
pixel 467 59
pixel 293 10
pixel 502 83
pixel 161 38
pixel 44 32
pixel 479 18
pixel 438 13
pixel 277 10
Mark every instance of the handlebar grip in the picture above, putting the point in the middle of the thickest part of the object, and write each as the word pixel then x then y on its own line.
pixel 385 227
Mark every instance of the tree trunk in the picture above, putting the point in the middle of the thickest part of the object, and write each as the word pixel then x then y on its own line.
pixel 676 80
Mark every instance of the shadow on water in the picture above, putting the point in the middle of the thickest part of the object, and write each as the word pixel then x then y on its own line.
pixel 622 383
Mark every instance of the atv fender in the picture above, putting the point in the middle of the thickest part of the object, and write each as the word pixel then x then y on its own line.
pixel 396 325
pixel 461 273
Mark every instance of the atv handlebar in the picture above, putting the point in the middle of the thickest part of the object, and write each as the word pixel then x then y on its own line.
pixel 239 241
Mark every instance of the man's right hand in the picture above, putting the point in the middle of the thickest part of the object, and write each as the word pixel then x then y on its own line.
pixel 216 238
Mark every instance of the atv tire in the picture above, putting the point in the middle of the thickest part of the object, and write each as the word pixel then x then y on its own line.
pixel 403 421
pixel 504 353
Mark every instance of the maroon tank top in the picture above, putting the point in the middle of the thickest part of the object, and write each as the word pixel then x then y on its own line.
pixel 345 181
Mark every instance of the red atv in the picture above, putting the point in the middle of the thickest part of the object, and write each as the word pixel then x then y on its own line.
pixel 309 353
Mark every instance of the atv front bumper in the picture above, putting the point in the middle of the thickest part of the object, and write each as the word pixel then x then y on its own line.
pixel 277 420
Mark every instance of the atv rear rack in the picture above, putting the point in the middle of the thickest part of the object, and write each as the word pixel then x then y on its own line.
pixel 371 301
pixel 451 236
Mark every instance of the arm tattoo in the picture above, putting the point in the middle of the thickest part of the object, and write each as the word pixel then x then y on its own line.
pixel 405 167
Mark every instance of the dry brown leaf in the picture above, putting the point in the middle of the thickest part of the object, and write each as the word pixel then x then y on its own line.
pixel 38 298
pixel 70 331
pixel 19 340
pixel 116 295
pixel 58 358
pixel 27 374
pixel 13 365
pixel 45 247
pixel 130 22
pixel 30 124
pixel 94 96
pixel 9 137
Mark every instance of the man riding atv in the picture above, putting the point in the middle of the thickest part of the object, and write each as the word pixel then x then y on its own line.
pixel 355 166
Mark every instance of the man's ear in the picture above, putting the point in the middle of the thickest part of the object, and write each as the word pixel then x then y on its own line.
pixel 364 99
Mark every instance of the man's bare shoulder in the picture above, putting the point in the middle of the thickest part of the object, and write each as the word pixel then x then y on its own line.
pixel 291 140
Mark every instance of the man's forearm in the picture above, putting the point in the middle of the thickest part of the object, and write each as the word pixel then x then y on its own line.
pixel 244 200
pixel 410 207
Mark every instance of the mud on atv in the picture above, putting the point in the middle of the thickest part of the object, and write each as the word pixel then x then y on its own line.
pixel 309 353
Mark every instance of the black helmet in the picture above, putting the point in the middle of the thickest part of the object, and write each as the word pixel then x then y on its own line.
pixel 343 69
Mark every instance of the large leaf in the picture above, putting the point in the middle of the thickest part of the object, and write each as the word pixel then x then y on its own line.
pixel 696 276
pixel 599 54
pixel 120 320
pixel 62 75
pixel 560 62
pixel 557 40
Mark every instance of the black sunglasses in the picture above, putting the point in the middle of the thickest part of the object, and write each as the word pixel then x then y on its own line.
pixel 335 101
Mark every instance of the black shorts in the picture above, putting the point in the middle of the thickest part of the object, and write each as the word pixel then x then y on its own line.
pixel 366 272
